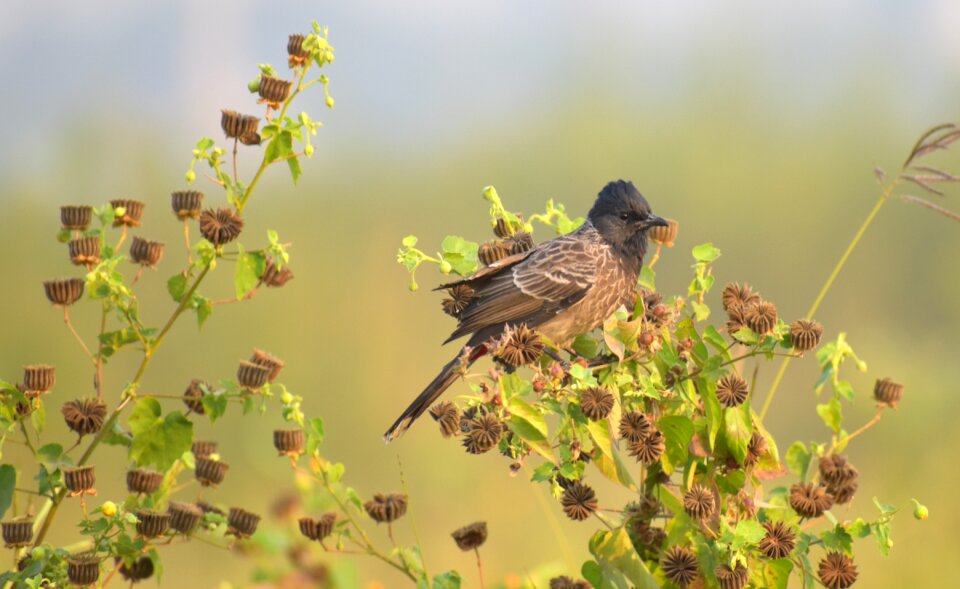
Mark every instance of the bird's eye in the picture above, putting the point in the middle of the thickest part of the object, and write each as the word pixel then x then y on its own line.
pixel 624 216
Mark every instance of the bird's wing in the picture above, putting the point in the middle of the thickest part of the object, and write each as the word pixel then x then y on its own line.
pixel 552 277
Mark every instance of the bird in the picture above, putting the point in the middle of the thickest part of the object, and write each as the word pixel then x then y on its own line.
pixel 562 288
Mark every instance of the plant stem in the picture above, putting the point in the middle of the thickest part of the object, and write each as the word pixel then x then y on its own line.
pixel 884 196
pixel 846 439
pixel 479 566
pixel 86 350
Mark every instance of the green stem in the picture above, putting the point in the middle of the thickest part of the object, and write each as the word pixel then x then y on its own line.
pixel 830 280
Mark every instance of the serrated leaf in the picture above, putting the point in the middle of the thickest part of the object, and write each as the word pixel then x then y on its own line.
pixel 798 459
pixel 706 252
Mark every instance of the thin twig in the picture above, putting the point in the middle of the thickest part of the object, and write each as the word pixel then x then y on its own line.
pixel 66 320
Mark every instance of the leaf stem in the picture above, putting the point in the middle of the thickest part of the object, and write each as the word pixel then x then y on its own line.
pixel 69 324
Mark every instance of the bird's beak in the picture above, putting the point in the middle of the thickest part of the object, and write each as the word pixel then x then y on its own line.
pixel 655 221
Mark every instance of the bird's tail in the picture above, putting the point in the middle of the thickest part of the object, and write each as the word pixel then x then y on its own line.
pixel 437 386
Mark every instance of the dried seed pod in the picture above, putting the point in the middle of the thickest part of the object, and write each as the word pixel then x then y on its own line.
pixel 699 502
pixel 635 426
pixel 242 523
pixel 579 501
pixel 596 403
pixel 568 583
pixel 805 335
pixel 141 480
pixel 680 566
pixel 183 517
pixel 140 569
pixel 288 442
pixel 252 376
pixel 318 528
pixel 83 570
pixel 886 392
pixel 519 345
pixel 732 578
pixel 274 277
pixel 840 478
pixel 238 126
pixel 84 251
pixel 482 433
pixel 273 91
pixel 761 317
pixel 837 571
pixel 193 396
pixel 220 226
pixel 151 524
pixel 64 292
pixel 210 472
pixel 844 493
pixel 809 500
pixel 779 540
pixel 445 413
pixel 297 55
pixel 17 533
pixel 80 480
pixel 519 242
pixel 502 228
pixel 756 448
pixel 460 296
pixel 649 449
pixel 736 319
pixel 186 204
pixel 39 378
pixel 661 235
pixel 470 537
pixel 732 390
pixel 735 295
pixel 76 218
pixel 261 358
pixel 146 253
pixel 203 449
pixel 386 508
pixel 132 212
pixel 493 251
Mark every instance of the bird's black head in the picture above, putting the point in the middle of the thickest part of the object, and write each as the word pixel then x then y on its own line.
pixel 623 217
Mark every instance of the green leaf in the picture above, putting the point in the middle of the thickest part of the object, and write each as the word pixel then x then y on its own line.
pixel 700 311
pixel 601 436
pixel 315 434
pixel 619 564
pixel 296 169
pixel 737 430
pixel 677 431
pixel 177 286
pixel 798 459
pixel 214 405
pixel 460 254
pixel 409 241
pixel 8 484
pixel 776 573
pixel 586 346
pixel 530 426
pixel 832 414
pixel 39 417
pixel 881 531
pixel 647 279
pixel 250 266
pixel 747 534
pixel 837 539
pixel 614 469
pixel 158 440
pixel 706 252
pixel 447 580
pixel 583 375
pixel 204 308
pixel 49 454
pixel 712 409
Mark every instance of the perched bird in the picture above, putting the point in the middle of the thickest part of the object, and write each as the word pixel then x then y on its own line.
pixel 562 288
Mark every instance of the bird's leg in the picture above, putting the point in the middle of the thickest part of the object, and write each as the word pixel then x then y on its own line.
pixel 553 354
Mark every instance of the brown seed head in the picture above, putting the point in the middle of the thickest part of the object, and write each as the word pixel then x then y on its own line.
pixel 186 204
pixel 732 390
pixel 470 537
pixel 297 54
pixel 579 501
pixel 761 317
pixel 273 91
pixel 460 296
pixel 483 432
pixel 275 364
pixel 17 533
pixel 886 392
pixel 519 345
pixel 238 126
pixel 805 335
pixel 730 578
pixel 192 397
pixel 596 403
pixel 39 378
pixel 635 426
pixel 756 448
pixel 83 570
pixel 184 517
pixel 242 523
pixel 252 376
pixel 210 472
pixel 132 212
pixel 288 442
pixel 665 235
pixel 151 523
pixel 568 583
pixel 64 292
pixel 698 502
pixel 76 218
pixel 145 253
pixel 275 278
pixel 85 251
pixel 386 508
pixel 779 540
pixel 680 566
pixel 736 320
pixel 493 251
pixel 445 413
pixel 809 500
pixel 502 228
pixel 837 571
pixel 220 226
pixel 139 570
pixel 84 416
pixel 80 480
pixel 840 478
pixel 141 480
pixel 318 528
pixel 736 295
pixel 649 449
pixel 519 242
pixel 204 448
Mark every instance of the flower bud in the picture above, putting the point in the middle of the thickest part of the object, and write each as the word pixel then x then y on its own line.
pixel 308 150
pixel 330 101
pixel 490 193
pixel 920 510
pixel 445 267
pixel 191 176
pixel 109 508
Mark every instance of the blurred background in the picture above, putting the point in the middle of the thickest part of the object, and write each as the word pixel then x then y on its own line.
pixel 756 125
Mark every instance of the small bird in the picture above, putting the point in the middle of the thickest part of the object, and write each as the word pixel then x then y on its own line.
pixel 562 288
